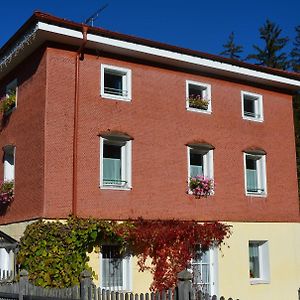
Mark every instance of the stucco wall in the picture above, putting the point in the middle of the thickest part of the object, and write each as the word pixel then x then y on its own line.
pixel 284 260
pixel 233 263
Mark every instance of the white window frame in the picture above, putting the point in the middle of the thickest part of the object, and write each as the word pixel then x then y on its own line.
pixel 208 169
pixel 126 162
pixel 8 169
pixel 258 106
pixel 126 82
pixel 207 95
pixel 213 270
pixel 127 275
pixel 261 174
pixel 264 264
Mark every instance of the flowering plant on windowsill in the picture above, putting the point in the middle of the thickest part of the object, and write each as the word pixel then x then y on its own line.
pixel 6 192
pixel 197 101
pixel 201 186
pixel 8 103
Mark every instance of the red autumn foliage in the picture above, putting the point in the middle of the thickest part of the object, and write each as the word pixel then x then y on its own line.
pixel 171 244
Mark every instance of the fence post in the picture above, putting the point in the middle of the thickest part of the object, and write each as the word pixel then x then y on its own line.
pixel 184 285
pixel 23 284
pixel 85 284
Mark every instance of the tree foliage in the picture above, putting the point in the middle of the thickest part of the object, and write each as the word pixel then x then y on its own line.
pixel 271 54
pixel 171 245
pixel 295 53
pixel 232 50
pixel 55 253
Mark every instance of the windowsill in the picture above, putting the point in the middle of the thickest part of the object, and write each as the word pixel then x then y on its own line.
pixel 254 281
pixel 198 110
pixel 256 195
pixel 117 289
pixel 259 120
pixel 115 187
pixel 116 97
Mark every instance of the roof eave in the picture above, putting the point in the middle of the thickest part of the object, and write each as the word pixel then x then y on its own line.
pixel 51 28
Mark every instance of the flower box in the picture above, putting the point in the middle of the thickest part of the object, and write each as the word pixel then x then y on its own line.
pixel 198 102
pixel 201 186
pixel 6 192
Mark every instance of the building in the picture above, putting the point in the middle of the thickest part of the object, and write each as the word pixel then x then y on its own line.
pixel 107 125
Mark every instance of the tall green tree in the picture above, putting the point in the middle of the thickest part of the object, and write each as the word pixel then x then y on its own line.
pixel 232 50
pixel 295 53
pixel 271 54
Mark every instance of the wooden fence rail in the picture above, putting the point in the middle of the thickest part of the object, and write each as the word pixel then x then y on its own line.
pixel 88 291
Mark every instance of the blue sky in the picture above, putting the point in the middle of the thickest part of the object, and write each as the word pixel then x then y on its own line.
pixel 194 24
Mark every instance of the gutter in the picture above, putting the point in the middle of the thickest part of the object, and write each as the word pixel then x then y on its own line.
pixel 79 57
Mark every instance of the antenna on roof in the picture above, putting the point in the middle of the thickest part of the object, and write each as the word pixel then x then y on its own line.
pixel 95 15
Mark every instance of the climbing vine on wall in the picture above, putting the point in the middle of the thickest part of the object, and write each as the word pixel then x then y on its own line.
pixel 55 253
pixel 171 245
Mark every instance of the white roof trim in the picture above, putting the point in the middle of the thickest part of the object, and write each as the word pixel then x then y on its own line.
pixel 175 56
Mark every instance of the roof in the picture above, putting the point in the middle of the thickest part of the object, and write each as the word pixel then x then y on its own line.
pixel 7 241
pixel 45 27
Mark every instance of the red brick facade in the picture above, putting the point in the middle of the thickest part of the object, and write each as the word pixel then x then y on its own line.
pixel 42 128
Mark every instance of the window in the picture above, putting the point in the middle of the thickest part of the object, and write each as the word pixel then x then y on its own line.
pixel 9 103
pixel 198 96
pixel 8 248
pixel 204 269
pixel 252 106
pixel 255 174
pixel 200 160
pixel 259 262
pixel 7 263
pixel 9 163
pixel 115 83
pixel 115 166
pixel 115 269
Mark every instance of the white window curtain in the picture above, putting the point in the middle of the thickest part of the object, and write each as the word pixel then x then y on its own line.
pixel 9 166
pixel 201 271
pixel 6 262
pixel 254 260
pixel 252 185
pixel 111 170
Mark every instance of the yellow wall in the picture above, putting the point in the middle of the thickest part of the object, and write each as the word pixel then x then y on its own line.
pixel 284 259
pixel 233 262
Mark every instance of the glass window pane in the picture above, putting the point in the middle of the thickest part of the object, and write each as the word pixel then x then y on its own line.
pixel 111 151
pixel 249 106
pixel 201 270
pixel 196 163
pixel 112 164
pixel 112 267
pixel 196 90
pixel 252 174
pixel 113 83
pixel 254 260
pixel 9 166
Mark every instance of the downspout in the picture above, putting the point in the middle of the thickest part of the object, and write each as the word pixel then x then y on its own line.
pixel 79 56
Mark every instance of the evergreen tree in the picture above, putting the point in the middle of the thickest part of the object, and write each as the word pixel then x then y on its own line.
pixel 232 50
pixel 271 54
pixel 295 54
